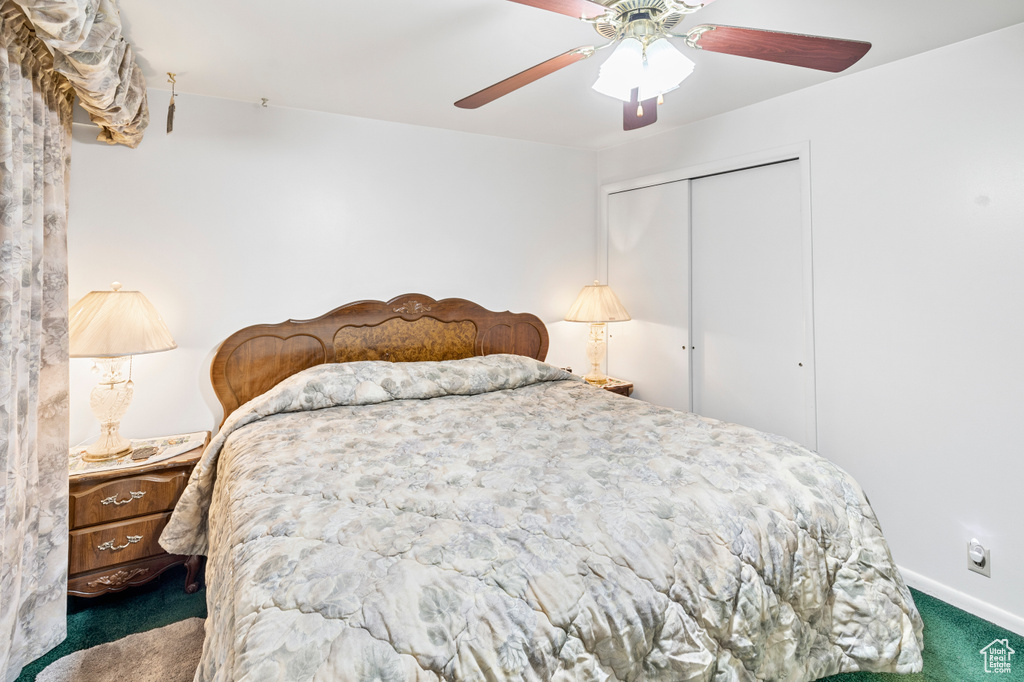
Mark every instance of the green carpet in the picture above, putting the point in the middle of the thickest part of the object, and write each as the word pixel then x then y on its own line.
pixel 953 638
pixel 113 616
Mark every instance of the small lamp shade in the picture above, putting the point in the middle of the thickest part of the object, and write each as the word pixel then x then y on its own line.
pixel 111 324
pixel 597 303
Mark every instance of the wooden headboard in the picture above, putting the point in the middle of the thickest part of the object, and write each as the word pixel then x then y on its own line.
pixel 408 328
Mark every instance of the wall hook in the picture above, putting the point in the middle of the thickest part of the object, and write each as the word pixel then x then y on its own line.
pixel 263 102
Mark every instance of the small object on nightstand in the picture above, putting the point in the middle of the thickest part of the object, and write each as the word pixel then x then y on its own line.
pixel 145 452
pixel 615 386
pixel 117 510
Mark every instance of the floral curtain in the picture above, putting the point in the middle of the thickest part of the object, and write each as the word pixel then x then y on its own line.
pixel 35 140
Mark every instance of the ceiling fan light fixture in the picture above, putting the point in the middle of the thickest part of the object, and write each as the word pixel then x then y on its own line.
pixel 655 70
pixel 666 66
pixel 640 77
pixel 622 71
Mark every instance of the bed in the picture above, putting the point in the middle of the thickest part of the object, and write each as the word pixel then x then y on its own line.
pixel 403 490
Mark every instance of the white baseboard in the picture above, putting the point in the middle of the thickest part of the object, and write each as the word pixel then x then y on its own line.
pixel 981 609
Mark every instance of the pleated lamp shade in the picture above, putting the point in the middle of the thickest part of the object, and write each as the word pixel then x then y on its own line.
pixel 597 303
pixel 111 324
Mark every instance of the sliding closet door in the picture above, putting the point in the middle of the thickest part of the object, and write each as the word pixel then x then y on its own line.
pixel 752 338
pixel 648 267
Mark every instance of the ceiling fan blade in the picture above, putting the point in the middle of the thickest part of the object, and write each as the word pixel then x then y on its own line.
pixel 636 114
pixel 577 9
pixel 478 99
pixel 812 52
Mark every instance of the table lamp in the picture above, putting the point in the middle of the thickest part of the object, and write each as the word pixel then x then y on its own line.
pixel 111 326
pixel 597 304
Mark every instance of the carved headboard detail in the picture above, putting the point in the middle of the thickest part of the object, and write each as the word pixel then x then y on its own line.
pixel 407 328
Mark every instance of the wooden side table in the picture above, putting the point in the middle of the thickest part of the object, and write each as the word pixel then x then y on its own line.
pixel 116 517
pixel 617 386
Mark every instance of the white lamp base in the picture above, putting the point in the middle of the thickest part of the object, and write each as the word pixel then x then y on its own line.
pixel 109 401
pixel 596 347
pixel 109 446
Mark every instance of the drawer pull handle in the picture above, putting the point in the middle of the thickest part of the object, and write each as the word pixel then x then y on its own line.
pixel 109 544
pixel 135 494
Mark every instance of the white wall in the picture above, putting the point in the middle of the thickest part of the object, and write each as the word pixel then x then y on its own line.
pixel 917 192
pixel 246 215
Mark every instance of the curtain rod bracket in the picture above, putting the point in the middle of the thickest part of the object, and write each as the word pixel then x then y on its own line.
pixel 170 106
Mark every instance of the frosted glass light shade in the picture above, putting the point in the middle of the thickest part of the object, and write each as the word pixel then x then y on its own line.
pixel 110 324
pixel 622 71
pixel 667 67
pixel 597 303
pixel 655 70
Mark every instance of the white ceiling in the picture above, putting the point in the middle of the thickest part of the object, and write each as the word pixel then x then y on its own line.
pixel 409 61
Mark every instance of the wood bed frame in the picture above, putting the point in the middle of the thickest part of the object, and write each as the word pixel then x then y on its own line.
pixel 407 328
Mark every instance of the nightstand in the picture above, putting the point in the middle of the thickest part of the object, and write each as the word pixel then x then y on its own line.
pixel 617 386
pixel 115 520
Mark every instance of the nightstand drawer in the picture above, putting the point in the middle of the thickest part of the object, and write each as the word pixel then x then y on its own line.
pixel 126 498
pixel 114 543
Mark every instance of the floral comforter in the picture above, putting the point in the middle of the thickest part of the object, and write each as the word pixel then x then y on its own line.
pixel 494 519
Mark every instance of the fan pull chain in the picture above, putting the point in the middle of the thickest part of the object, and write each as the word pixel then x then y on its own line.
pixel 639 103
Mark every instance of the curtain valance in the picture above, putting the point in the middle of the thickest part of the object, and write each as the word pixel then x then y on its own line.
pixel 88 49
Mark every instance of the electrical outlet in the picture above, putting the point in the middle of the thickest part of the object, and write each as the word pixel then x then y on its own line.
pixel 979 558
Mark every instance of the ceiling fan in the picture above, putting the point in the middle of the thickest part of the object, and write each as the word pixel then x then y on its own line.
pixel 644 65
